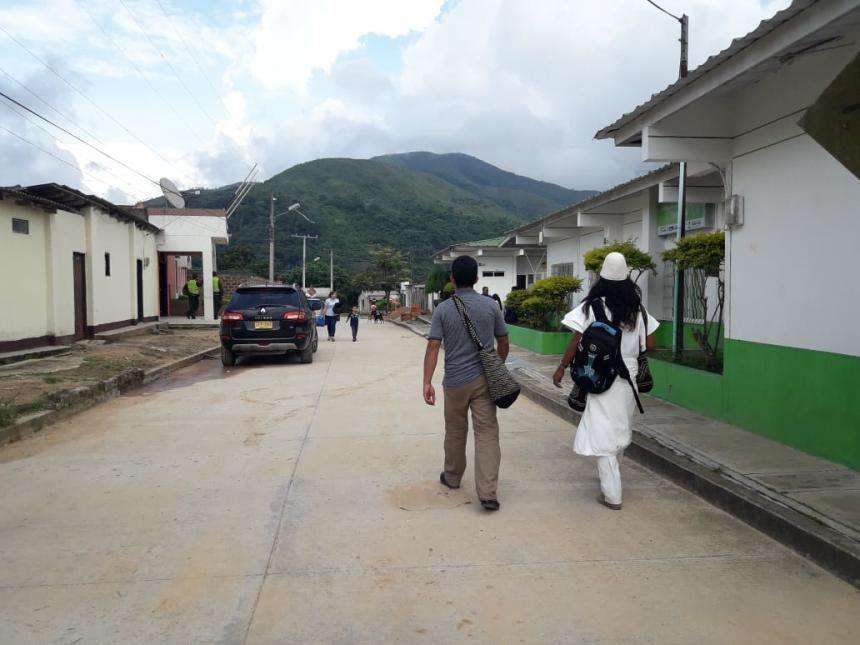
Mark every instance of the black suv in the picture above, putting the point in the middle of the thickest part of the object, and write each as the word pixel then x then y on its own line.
pixel 268 319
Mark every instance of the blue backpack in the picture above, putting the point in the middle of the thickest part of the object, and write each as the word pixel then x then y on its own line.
pixel 598 359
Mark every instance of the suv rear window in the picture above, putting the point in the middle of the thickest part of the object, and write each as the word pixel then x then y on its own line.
pixel 250 298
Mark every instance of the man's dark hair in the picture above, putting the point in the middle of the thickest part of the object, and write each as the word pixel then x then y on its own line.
pixel 464 270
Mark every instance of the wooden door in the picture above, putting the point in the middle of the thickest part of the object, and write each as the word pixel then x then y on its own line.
pixel 80 286
pixel 140 289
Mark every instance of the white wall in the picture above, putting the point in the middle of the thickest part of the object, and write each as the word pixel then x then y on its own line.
pixel 23 301
pixel 109 298
pixel 793 262
pixel 500 285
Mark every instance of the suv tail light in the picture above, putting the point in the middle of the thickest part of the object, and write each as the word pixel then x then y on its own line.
pixel 232 315
pixel 296 316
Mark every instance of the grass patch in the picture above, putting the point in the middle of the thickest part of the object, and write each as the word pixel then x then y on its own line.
pixel 689 358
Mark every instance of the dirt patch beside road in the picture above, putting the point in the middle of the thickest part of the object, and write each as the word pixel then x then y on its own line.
pixel 35 384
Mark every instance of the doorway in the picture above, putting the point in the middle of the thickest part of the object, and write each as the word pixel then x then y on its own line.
pixel 140 290
pixel 79 268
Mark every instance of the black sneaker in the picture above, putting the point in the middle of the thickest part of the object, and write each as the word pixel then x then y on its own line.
pixel 490 504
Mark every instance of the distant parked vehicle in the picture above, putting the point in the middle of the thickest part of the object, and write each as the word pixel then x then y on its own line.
pixel 268 319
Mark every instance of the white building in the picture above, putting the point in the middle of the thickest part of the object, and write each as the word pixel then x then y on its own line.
pixel 188 233
pixel 791 363
pixel 502 263
pixel 74 265
pixel 642 210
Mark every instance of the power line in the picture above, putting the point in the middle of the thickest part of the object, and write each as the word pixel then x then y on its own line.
pixel 193 57
pixel 44 102
pixel 86 143
pixel 50 134
pixel 51 69
pixel 51 154
pixel 122 52
pixel 167 61
pixel 663 10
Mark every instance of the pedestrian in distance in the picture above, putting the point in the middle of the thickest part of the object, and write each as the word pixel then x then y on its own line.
pixel 499 302
pixel 605 430
pixel 217 295
pixel 353 323
pixel 332 313
pixel 485 291
pixel 464 385
pixel 192 290
pixel 373 311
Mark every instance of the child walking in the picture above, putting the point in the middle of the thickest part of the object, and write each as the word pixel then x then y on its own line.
pixel 353 323
pixel 604 430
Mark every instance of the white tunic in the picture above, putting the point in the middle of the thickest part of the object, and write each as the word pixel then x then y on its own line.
pixel 604 429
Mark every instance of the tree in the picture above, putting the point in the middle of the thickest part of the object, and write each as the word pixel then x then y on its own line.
pixel 437 279
pixel 390 268
pixel 701 257
pixel 637 260
pixel 238 258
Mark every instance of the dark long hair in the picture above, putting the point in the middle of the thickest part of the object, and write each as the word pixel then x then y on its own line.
pixel 623 299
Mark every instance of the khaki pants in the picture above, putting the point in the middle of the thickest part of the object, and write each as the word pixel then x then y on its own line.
pixel 458 401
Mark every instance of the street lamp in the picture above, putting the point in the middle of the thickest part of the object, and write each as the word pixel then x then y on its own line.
pixel 293 208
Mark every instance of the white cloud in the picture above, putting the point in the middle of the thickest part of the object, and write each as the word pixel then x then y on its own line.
pixel 522 85
pixel 296 38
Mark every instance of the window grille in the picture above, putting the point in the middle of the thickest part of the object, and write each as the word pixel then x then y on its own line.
pixel 21 226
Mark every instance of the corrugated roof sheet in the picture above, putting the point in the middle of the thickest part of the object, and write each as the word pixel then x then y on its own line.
pixel 737 45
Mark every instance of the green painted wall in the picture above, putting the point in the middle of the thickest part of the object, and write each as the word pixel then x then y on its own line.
pixel 802 398
pixel 540 342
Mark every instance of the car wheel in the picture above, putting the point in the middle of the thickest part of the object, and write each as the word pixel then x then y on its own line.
pixel 228 358
pixel 316 343
pixel 307 354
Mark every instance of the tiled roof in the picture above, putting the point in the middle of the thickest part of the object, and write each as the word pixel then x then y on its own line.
pixel 736 46
pixel 73 199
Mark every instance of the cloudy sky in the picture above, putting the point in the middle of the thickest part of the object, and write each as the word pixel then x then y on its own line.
pixel 199 90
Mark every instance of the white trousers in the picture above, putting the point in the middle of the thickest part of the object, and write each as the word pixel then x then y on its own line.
pixel 610 478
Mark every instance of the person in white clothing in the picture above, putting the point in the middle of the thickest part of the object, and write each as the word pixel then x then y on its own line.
pixel 332 314
pixel 604 430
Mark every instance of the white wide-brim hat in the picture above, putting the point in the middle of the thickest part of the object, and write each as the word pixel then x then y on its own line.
pixel 614 267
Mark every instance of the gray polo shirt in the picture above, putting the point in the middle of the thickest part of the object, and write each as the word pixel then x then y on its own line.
pixel 462 362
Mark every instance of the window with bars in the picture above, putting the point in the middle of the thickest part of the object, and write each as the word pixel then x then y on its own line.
pixel 21 226
pixel 563 268
pixel 107 264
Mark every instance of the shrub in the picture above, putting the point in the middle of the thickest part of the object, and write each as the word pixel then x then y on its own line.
pixel 638 260
pixel 447 290
pixel 515 299
pixel 542 304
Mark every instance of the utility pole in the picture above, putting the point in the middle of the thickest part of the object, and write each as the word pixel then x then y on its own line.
pixel 305 255
pixel 678 304
pixel 331 270
pixel 685 37
pixel 271 238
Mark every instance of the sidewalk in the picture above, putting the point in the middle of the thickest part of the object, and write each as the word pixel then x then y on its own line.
pixel 808 503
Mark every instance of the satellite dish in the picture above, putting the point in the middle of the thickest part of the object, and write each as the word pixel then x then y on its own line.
pixel 171 193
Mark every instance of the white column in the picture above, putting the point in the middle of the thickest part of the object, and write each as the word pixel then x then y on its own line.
pixel 206 278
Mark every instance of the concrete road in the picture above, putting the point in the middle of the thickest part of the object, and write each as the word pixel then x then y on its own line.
pixel 280 502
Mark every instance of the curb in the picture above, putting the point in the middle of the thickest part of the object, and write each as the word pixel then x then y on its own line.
pixel 410 328
pixel 70 402
pixel 821 544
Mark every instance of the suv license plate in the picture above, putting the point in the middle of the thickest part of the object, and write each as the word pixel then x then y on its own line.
pixel 263 324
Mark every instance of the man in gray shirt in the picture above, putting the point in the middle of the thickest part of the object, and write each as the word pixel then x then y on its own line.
pixel 464 383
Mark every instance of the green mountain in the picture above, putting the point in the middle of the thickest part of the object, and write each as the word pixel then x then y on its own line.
pixel 524 197
pixel 357 205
